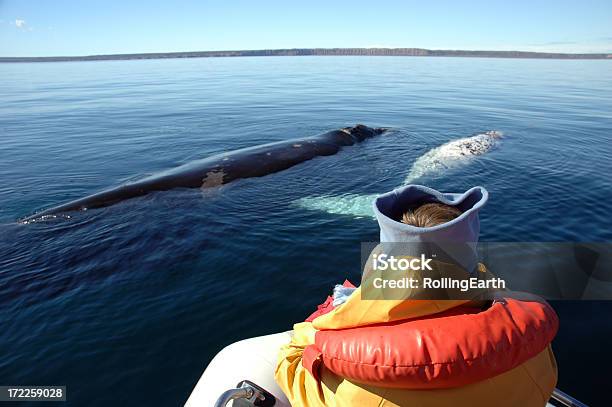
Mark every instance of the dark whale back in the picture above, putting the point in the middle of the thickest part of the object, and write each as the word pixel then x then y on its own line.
pixel 223 168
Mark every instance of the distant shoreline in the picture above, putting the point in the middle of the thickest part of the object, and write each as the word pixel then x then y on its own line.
pixel 412 52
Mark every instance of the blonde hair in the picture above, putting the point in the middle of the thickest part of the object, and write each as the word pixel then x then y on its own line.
pixel 430 214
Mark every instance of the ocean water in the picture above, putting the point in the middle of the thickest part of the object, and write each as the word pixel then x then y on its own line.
pixel 127 304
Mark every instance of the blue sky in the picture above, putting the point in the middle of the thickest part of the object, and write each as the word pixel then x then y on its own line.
pixel 62 27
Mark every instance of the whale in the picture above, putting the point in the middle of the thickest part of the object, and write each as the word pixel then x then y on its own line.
pixel 452 154
pixel 438 160
pixel 220 169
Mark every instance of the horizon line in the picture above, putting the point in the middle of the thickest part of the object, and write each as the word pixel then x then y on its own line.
pixel 351 51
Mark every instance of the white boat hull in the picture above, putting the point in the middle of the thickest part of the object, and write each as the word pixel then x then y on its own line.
pixel 252 359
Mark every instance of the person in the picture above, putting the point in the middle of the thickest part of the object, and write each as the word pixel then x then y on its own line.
pixel 430 214
pixel 409 351
pixel 424 215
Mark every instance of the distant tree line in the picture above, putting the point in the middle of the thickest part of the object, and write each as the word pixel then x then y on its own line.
pixel 419 52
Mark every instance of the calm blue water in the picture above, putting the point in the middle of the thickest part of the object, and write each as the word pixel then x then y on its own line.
pixel 127 304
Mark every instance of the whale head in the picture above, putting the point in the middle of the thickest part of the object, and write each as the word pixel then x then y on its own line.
pixel 361 132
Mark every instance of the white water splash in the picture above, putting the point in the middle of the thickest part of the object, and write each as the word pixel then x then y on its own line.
pixel 449 155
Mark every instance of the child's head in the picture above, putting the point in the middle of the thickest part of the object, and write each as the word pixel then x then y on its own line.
pixel 430 214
